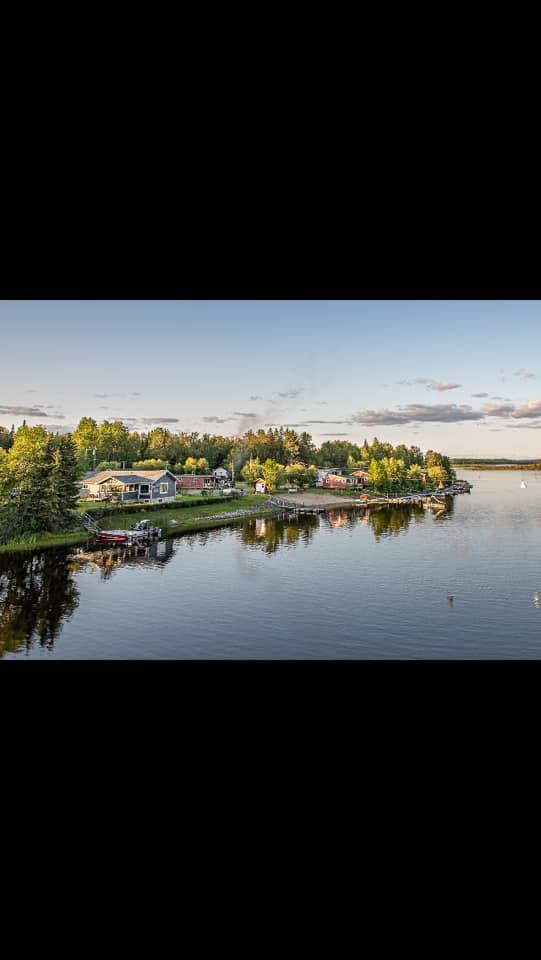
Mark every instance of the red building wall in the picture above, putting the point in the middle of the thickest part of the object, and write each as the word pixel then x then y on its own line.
pixel 191 482
pixel 335 482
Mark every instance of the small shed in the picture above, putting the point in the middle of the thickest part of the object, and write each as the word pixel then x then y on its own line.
pixel 260 486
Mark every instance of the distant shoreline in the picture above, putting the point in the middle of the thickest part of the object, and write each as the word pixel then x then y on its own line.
pixel 498 466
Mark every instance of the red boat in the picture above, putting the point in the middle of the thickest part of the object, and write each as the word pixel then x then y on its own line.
pixel 140 531
pixel 114 536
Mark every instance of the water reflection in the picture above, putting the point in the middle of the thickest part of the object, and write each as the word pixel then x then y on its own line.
pixel 39 591
pixel 389 521
pixel 269 534
pixel 107 561
pixel 37 594
pixel 537 599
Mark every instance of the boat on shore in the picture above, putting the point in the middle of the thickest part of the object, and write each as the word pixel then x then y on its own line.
pixel 141 532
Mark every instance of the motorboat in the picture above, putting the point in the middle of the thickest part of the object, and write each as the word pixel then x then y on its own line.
pixel 141 531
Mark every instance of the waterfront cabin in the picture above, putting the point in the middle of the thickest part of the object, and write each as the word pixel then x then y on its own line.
pixel 220 475
pixel 362 476
pixel 334 481
pixel 130 486
pixel 194 482
pixel 325 471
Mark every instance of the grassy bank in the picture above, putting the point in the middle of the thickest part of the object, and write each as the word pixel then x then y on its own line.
pixel 196 517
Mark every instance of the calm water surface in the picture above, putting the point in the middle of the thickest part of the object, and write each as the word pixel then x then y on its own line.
pixel 399 583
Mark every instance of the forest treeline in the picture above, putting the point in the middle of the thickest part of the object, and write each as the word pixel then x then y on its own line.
pixel 39 470
pixel 112 443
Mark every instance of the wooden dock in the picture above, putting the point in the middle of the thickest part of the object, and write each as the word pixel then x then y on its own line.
pixel 431 498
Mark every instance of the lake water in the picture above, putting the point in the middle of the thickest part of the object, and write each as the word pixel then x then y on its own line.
pixel 399 583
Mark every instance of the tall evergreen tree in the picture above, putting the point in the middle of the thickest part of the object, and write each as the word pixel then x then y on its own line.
pixel 63 489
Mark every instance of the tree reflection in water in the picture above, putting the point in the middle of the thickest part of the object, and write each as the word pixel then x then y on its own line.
pixel 389 521
pixel 37 593
pixel 109 560
pixel 270 533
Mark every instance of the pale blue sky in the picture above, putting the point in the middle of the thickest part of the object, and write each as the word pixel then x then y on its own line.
pixel 341 362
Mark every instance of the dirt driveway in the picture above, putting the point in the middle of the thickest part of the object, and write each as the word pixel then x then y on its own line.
pixel 308 498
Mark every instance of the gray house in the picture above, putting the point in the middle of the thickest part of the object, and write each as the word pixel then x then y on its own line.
pixel 150 486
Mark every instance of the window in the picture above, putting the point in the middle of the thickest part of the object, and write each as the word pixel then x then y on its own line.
pixel 132 487
pixel 164 487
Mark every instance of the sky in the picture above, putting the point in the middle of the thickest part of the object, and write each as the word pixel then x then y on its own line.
pixel 462 377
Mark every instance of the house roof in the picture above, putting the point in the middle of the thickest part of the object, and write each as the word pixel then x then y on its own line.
pixel 127 476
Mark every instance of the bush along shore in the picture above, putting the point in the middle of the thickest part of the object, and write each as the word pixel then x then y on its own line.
pixel 173 518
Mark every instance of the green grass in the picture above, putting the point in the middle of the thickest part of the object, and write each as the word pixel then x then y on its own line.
pixel 41 540
pixel 162 518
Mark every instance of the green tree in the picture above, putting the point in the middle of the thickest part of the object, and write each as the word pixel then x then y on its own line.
pixel 6 438
pixel 63 490
pixel 438 475
pixel 85 437
pixel 30 462
pixel 251 470
pixel 415 476
pixel 108 465
pixel 291 446
pixel 377 475
pixel 272 473
pixel 160 445
pixel 152 465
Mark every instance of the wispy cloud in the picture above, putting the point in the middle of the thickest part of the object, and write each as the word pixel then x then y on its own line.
pixel 16 411
pixel 322 403
pixel 60 427
pixel 255 397
pixel 449 413
pixel 524 426
pixel 443 386
pixel 419 412
pixel 431 384
pixel 528 410
pixel 237 413
pixel 506 399
pixel 310 423
pixel 525 374
pixel 498 409
pixel 123 396
pixel 159 420
pixel 334 434
pixel 289 394
pixel 485 395
pixel 216 419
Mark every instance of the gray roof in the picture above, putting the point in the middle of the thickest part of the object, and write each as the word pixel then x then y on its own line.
pixel 127 476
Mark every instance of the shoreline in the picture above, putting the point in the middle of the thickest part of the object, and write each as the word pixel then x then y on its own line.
pixel 186 519
pixel 209 516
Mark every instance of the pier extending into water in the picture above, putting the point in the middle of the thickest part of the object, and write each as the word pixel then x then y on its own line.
pixel 430 498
